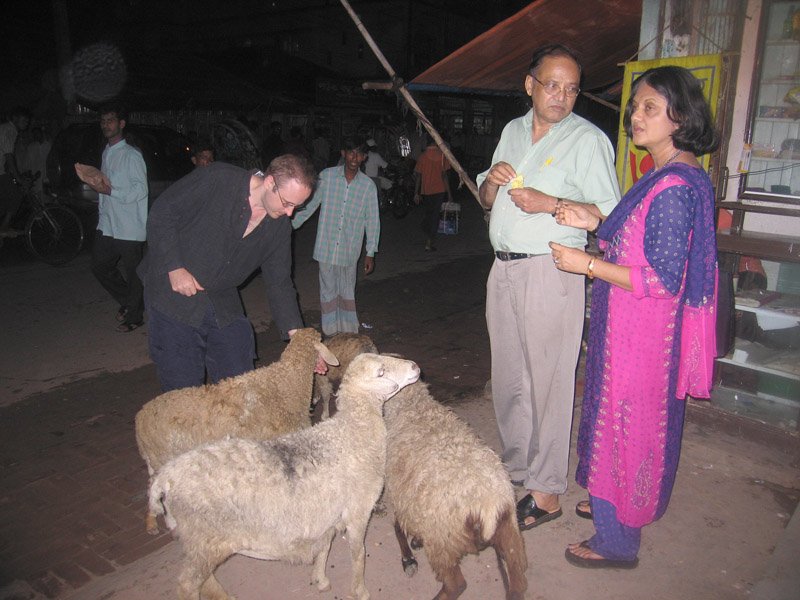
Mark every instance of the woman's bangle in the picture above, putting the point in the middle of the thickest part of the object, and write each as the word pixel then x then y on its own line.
pixel 590 269
pixel 596 227
pixel 555 210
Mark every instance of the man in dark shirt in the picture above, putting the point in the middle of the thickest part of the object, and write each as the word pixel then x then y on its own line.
pixel 206 234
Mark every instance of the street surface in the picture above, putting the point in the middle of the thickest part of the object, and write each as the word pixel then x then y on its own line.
pixel 72 485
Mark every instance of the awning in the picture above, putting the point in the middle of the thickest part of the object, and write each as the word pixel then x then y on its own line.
pixel 603 32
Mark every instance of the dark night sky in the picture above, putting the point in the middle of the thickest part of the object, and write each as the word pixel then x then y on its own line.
pixel 28 48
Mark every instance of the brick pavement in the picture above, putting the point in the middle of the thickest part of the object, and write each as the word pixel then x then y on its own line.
pixel 72 497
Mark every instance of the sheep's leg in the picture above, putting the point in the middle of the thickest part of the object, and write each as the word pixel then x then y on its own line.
pixel 453 584
pixel 326 407
pixel 409 562
pixel 510 550
pixel 213 590
pixel 356 535
pixel 318 577
pixel 155 506
pixel 323 393
pixel 198 570
pixel 150 523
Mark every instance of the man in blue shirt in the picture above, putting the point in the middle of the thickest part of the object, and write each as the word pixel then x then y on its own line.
pixel 122 218
pixel 349 201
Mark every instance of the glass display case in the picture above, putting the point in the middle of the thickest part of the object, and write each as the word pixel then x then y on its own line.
pixel 760 376
pixel 772 167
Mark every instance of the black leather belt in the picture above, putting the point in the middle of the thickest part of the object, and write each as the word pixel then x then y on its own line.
pixel 511 255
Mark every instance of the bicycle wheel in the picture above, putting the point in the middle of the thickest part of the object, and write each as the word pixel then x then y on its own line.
pixel 54 234
pixel 400 204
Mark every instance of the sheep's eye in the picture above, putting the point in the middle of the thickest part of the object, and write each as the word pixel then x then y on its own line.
pixel 381 371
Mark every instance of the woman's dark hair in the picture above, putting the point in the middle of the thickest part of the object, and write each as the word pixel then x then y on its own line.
pixel 686 106
pixel 542 52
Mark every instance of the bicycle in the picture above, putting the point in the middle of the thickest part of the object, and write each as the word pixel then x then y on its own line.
pixel 53 232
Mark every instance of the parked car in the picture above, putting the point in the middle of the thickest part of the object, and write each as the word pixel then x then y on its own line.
pixel 166 153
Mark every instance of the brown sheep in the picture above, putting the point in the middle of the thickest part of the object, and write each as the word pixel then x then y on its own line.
pixel 449 492
pixel 346 346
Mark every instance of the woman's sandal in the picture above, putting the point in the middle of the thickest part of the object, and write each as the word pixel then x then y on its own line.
pixel 128 327
pixel 583 509
pixel 597 563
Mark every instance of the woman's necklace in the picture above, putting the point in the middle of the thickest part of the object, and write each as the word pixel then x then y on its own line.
pixel 671 158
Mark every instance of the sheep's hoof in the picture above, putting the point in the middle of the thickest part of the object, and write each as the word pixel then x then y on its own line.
pixel 416 543
pixel 379 510
pixel 323 585
pixel 151 524
pixel 361 593
pixel 410 566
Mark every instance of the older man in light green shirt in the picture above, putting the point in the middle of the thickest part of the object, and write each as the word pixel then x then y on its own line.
pixel 534 312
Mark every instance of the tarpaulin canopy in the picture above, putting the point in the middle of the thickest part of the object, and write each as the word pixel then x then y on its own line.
pixel 603 32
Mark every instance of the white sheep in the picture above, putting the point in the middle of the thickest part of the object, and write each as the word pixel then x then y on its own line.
pixel 450 493
pixel 261 404
pixel 345 346
pixel 261 498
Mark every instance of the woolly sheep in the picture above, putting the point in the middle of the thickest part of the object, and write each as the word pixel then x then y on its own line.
pixel 261 404
pixel 449 492
pixel 261 498
pixel 346 346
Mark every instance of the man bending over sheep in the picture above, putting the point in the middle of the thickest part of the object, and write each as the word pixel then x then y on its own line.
pixel 206 234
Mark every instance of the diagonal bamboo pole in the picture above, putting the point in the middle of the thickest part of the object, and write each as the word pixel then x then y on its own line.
pixel 465 179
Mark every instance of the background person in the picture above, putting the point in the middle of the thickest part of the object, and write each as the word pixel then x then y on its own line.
pixel 202 154
pixel 296 144
pixel 374 163
pixel 321 149
pixel 199 252
pixel 272 146
pixel 10 191
pixel 534 312
pixel 431 188
pixel 33 157
pixel 652 329
pixel 122 217
pixel 349 213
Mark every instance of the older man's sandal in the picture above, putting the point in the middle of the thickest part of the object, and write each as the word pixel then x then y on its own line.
pixel 527 508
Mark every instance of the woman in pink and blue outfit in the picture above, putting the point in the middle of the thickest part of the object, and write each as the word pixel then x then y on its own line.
pixel 651 333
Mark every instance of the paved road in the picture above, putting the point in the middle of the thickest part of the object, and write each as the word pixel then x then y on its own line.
pixel 72 484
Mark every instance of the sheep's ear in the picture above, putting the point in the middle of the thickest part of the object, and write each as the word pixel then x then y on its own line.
pixel 385 387
pixel 326 354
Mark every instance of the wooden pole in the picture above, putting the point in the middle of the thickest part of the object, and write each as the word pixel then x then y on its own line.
pixel 601 101
pixel 465 179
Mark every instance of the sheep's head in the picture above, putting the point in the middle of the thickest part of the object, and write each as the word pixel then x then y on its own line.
pixel 380 375
pixel 305 339
pixel 326 354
